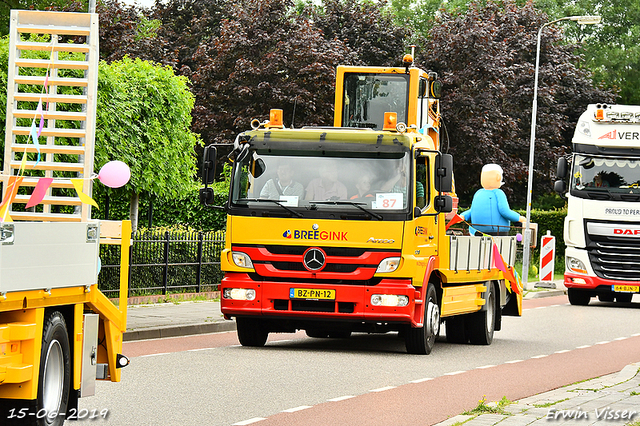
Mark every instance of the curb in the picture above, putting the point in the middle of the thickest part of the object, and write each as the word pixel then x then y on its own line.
pixel 179 330
pixel 545 293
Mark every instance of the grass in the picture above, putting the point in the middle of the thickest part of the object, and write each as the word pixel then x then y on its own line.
pixel 484 408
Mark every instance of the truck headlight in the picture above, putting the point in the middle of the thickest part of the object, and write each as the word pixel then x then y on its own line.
pixel 242 259
pixel 576 265
pixel 389 300
pixel 239 293
pixel 389 264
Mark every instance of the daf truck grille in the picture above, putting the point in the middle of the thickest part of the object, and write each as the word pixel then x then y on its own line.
pixel 614 258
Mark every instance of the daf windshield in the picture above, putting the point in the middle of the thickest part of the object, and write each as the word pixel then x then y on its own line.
pixel 307 186
pixel 605 178
pixel 368 96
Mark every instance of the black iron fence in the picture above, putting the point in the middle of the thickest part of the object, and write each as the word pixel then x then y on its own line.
pixel 164 262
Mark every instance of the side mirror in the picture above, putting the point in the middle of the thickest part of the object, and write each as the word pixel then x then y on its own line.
pixel 436 89
pixel 206 196
pixel 443 203
pixel 563 169
pixel 209 158
pixel 560 187
pixel 444 173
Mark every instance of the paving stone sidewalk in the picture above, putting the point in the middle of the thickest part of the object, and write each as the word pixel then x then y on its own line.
pixel 608 400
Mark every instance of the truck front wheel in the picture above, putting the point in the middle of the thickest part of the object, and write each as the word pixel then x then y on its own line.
pixel 251 332
pixel 55 371
pixel 421 340
pixel 578 297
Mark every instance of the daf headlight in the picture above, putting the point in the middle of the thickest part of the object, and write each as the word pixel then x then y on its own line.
pixel 242 259
pixel 389 264
pixel 576 265
pixel 584 128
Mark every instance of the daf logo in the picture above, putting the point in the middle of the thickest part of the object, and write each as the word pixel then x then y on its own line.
pixel 314 259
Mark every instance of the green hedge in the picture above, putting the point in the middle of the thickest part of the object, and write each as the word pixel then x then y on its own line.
pixel 549 220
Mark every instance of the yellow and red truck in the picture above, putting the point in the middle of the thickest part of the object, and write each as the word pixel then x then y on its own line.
pixel 58 332
pixel 341 229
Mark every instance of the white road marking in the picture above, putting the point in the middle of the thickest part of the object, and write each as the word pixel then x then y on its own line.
pixel 293 410
pixel 386 388
pixel 150 355
pixel 250 421
pixel 340 398
pixel 426 379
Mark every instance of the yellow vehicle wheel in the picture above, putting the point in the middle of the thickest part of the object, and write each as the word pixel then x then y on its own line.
pixel 421 340
pixel 55 372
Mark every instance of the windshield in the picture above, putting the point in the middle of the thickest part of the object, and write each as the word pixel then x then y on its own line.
pixel 298 185
pixel 368 96
pixel 606 178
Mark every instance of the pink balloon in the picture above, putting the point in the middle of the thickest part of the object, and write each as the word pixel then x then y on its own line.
pixel 519 237
pixel 114 174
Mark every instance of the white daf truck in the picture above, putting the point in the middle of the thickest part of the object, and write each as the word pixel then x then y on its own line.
pixel 602 227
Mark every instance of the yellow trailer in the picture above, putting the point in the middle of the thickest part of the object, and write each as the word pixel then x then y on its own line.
pixel 58 332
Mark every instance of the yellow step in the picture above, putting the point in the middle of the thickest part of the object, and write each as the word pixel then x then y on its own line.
pixel 17 331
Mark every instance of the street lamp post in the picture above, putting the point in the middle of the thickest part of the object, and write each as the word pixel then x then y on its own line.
pixel 583 20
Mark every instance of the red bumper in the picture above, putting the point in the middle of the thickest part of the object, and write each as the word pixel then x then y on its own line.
pixel 352 302
pixel 591 282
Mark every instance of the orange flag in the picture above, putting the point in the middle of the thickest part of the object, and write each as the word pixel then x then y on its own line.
pixel 456 219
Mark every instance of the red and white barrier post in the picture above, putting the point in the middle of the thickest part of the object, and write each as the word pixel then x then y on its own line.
pixel 547 257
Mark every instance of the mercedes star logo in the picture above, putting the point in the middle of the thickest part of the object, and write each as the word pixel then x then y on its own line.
pixel 314 259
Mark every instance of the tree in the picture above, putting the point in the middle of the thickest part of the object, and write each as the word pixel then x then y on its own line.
pixel 486 61
pixel 7 5
pixel 611 49
pixel 266 56
pixel 144 119
pixel 186 24
pixel 367 28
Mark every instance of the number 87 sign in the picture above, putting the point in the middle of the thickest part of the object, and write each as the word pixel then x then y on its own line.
pixel 389 201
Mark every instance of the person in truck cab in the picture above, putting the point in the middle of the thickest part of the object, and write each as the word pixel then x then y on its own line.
pixel 327 186
pixel 282 185
pixel 399 183
pixel 363 186
pixel 598 182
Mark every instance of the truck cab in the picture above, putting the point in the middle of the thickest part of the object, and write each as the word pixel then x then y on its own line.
pixel 341 229
pixel 601 228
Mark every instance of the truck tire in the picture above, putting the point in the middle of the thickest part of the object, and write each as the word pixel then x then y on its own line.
pixel 55 371
pixel 578 297
pixel 456 329
pixel 481 324
pixel 421 340
pixel 251 332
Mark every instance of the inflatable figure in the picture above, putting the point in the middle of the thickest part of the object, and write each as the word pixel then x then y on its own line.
pixel 490 212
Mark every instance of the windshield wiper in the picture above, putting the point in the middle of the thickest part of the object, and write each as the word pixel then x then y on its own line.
pixel 349 203
pixel 262 200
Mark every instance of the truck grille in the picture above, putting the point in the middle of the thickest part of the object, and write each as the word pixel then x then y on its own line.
pixel 275 262
pixel 614 258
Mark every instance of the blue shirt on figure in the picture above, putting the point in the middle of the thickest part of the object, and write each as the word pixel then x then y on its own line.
pixel 490 211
